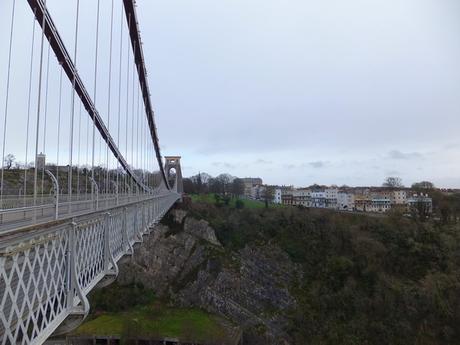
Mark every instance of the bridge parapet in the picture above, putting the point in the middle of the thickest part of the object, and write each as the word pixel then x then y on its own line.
pixel 47 271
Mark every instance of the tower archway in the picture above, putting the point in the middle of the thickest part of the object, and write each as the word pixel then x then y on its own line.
pixel 174 173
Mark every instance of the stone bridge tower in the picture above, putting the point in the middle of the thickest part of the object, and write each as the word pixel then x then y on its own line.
pixel 173 162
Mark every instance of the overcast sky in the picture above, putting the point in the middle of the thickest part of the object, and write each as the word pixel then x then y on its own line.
pixel 301 92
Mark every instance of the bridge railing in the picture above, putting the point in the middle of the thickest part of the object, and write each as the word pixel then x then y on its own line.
pixel 47 271
pixel 16 217
pixel 15 201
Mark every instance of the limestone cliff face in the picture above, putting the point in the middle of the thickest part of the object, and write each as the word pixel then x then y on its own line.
pixel 165 258
pixel 185 261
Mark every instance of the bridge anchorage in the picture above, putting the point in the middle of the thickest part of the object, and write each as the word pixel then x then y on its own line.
pixel 99 183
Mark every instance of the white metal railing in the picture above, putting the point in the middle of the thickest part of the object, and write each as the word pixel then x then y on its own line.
pixel 46 271
pixel 13 218
pixel 18 201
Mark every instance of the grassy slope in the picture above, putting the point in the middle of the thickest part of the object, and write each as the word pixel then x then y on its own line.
pixel 210 199
pixel 132 311
pixel 155 321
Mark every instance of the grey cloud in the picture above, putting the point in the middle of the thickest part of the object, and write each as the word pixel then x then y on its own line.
pixel 396 154
pixel 452 146
pixel 392 173
pixel 263 161
pixel 317 164
pixel 314 164
pixel 223 165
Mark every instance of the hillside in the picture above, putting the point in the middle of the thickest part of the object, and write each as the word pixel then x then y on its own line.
pixel 307 276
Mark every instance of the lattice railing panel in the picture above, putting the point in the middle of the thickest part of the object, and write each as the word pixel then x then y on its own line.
pixel 131 219
pixel 36 267
pixel 90 251
pixel 32 286
pixel 116 234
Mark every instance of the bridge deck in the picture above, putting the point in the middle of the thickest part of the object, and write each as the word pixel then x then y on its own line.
pixel 15 217
pixel 46 271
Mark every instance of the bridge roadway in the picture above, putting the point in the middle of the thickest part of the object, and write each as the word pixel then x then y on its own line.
pixel 47 270
pixel 14 215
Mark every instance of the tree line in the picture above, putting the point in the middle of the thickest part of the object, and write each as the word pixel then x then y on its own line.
pixel 223 184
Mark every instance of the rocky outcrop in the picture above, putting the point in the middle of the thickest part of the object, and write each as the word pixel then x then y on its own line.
pixel 162 260
pixel 254 293
pixel 250 287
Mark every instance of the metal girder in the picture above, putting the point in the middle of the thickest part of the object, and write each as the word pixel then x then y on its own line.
pixel 136 44
pixel 59 49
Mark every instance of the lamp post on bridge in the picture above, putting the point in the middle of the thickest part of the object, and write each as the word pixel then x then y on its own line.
pixel 55 192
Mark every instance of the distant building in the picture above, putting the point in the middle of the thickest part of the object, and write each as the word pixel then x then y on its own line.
pixel 249 184
pixel 277 196
pixel 345 201
pixel 363 202
pixel 287 197
pixel 399 197
pixel 301 197
pixel 420 202
pixel 379 204
pixel 318 199
pixel 331 197
pixel 257 192
pixel 41 161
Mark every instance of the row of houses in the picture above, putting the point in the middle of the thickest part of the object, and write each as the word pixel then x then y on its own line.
pixel 353 199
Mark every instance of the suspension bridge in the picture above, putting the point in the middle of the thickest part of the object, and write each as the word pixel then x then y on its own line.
pixel 82 176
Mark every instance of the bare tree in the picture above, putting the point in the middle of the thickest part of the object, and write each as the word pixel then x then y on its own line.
pixel 9 161
pixel 393 182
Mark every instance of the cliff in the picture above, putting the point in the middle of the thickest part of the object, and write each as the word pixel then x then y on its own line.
pixel 183 260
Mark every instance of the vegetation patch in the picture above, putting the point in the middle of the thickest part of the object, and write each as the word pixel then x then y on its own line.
pixel 173 226
pixel 229 201
pixel 147 317
pixel 366 280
